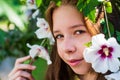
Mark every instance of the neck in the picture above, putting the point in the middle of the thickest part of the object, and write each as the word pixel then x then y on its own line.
pixel 89 76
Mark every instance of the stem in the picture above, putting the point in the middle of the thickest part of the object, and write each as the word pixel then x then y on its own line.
pixel 42 43
pixel 30 71
pixel 31 62
pixel 106 18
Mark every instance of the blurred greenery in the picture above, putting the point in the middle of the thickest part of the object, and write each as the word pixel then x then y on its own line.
pixel 17 28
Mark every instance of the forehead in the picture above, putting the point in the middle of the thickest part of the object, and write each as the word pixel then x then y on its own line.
pixel 67 10
pixel 67 16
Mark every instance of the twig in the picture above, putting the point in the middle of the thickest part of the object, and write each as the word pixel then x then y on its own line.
pixel 106 18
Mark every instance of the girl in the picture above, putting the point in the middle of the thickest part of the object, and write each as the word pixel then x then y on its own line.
pixel 71 31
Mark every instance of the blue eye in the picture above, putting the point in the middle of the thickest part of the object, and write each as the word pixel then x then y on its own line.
pixel 59 36
pixel 79 31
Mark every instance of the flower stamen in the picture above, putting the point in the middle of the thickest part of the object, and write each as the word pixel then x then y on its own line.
pixel 106 51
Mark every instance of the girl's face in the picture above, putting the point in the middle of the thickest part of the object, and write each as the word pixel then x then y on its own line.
pixel 71 35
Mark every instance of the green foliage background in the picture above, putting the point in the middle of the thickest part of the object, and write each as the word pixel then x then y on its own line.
pixel 13 41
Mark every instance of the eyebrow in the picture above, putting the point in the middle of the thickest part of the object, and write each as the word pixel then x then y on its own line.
pixel 74 26
pixel 77 25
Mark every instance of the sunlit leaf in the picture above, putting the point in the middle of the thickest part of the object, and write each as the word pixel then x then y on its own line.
pixel 108 6
pixel 88 8
pixel 81 4
pixel 58 3
pixel 38 2
pixel 88 44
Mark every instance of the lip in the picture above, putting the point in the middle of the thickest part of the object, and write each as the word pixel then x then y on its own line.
pixel 74 62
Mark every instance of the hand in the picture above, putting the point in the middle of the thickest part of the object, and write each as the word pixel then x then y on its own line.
pixel 19 71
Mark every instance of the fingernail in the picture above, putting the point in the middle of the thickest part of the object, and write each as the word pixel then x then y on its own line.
pixel 33 67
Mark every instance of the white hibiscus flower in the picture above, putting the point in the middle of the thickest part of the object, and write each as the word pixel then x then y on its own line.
pixel 103 54
pixel 31 4
pixel 42 23
pixel 42 33
pixel 39 51
pixel 44 30
pixel 113 76
pixel 45 33
pixel 35 14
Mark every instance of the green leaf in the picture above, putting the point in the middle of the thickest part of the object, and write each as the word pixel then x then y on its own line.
pixel 27 61
pixel 38 3
pixel 88 44
pixel 108 7
pixel 111 28
pixel 105 30
pixel 58 3
pixel 80 5
pixel 118 36
pixel 88 8
pixel 2 38
pixel 41 67
pixel 92 16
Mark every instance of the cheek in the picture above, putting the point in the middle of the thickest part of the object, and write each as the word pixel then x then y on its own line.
pixel 59 49
pixel 82 41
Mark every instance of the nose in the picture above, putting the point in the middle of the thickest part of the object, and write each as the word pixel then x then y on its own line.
pixel 69 45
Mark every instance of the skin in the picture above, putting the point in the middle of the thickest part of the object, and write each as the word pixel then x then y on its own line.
pixel 71 35
pixel 18 72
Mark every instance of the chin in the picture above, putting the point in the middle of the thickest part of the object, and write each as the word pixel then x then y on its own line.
pixel 81 70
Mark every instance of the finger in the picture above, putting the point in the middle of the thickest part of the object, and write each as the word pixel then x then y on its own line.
pixel 21 60
pixel 22 67
pixel 25 75
pixel 19 75
pixel 25 66
pixel 21 78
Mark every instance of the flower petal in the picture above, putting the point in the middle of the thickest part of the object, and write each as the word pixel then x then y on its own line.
pixel 45 55
pixel 114 64
pixel 100 65
pixel 42 23
pixel 41 33
pixel 31 4
pixel 116 46
pixel 113 76
pixel 98 40
pixel 40 51
pixel 34 15
pixel 90 55
pixel 33 52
